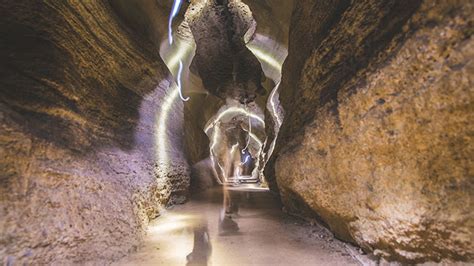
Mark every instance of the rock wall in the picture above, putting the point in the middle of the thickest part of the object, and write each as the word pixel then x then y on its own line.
pixel 228 69
pixel 80 104
pixel 379 108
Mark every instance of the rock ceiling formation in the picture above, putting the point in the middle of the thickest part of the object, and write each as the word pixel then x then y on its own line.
pixel 227 67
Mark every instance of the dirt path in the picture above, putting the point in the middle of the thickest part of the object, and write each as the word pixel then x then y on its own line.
pixel 266 236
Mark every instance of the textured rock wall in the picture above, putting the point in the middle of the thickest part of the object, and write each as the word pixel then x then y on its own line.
pixel 80 100
pixel 228 69
pixel 377 139
pixel 272 17
pixel 146 18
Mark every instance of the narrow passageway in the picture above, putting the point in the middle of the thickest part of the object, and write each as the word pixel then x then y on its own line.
pixel 266 236
pixel 236 132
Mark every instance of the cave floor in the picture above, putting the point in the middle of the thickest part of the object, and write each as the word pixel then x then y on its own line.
pixel 266 236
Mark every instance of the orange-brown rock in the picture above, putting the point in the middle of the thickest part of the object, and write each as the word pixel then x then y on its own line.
pixel 79 101
pixel 379 119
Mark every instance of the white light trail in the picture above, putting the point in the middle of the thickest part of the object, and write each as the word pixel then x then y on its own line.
pixel 253 136
pixel 274 108
pixel 182 52
pixel 178 81
pixel 214 140
pixel 174 12
pixel 162 140
pixel 233 148
pixel 274 62
pixel 262 55
pixel 250 132
pixel 232 110
pixel 247 158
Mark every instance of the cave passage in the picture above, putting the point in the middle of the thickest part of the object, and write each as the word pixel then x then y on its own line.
pixel 193 234
pixel 236 132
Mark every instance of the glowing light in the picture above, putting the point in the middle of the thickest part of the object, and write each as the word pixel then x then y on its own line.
pixel 256 139
pixel 262 55
pixel 178 81
pixel 232 110
pixel 274 63
pixel 214 136
pixel 169 222
pixel 274 109
pixel 181 52
pixel 174 12
pixel 162 140
pixel 247 158
pixel 214 140
pixel 234 147
pixel 167 227
pixel 250 132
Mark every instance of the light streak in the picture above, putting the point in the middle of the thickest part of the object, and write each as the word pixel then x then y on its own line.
pixel 274 63
pixel 247 158
pixel 274 109
pixel 262 55
pixel 234 110
pixel 253 136
pixel 181 53
pixel 174 12
pixel 233 148
pixel 250 131
pixel 162 140
pixel 178 81
pixel 215 137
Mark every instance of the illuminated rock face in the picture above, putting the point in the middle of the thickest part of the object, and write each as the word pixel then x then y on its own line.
pixel 80 99
pixel 377 139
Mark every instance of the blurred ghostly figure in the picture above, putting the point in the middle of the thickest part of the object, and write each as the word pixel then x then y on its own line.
pixel 202 248
pixel 234 134
pixel 232 168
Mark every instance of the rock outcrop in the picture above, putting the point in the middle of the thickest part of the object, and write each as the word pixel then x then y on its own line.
pixel 228 69
pixel 377 138
pixel 81 97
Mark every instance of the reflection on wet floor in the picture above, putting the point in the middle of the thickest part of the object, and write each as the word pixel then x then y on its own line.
pixel 252 230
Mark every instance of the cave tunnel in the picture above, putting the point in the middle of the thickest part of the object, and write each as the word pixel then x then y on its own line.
pixel 236 132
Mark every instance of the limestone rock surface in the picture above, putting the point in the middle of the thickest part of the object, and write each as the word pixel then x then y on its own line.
pixel 80 98
pixel 377 138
